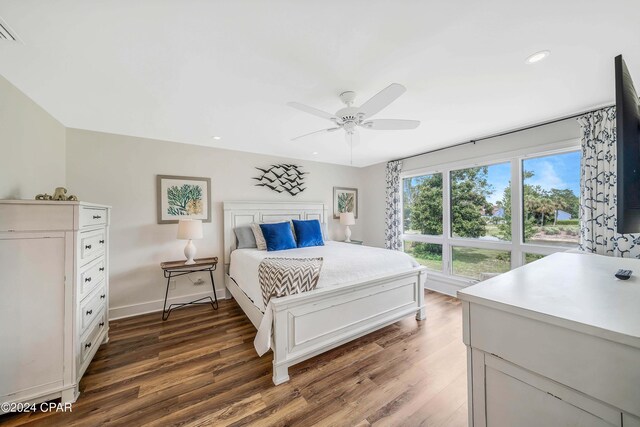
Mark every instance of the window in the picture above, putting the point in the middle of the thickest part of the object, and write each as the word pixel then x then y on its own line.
pixel 471 221
pixel 478 198
pixel 551 188
pixel 427 254
pixel 532 257
pixel 422 204
pixel 474 262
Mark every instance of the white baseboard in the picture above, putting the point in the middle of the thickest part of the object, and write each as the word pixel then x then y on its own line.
pixel 155 306
pixel 446 285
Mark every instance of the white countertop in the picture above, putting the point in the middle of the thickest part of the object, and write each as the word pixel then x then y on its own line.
pixel 578 291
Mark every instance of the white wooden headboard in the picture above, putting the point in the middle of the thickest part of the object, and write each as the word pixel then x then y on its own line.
pixel 243 213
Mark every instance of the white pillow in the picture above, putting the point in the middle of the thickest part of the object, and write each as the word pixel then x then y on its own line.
pixel 261 244
pixel 325 231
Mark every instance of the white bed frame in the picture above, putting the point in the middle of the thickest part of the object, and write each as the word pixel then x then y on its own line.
pixel 307 324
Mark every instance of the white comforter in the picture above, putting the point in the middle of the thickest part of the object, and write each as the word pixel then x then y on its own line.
pixel 343 263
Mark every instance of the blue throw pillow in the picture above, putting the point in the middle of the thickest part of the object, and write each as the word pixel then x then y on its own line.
pixel 278 236
pixel 308 233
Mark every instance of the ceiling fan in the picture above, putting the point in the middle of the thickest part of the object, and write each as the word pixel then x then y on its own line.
pixel 350 118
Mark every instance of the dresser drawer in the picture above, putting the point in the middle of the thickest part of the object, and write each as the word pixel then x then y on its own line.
pixel 91 341
pixel 91 307
pixel 45 217
pixel 92 275
pixel 90 217
pixel 92 245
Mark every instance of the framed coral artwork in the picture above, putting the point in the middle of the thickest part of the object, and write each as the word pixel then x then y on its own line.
pixel 345 200
pixel 183 197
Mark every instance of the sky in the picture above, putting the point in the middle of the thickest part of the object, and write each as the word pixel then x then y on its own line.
pixel 559 171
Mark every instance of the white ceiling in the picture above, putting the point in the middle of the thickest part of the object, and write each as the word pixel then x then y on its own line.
pixel 185 70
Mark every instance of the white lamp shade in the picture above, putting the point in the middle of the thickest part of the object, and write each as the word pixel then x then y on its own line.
pixel 347 218
pixel 189 229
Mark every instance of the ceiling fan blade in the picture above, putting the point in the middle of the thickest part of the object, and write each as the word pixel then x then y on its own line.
pixel 391 124
pixel 380 100
pixel 313 133
pixel 312 110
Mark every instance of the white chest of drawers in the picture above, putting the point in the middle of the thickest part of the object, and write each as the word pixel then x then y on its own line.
pixel 54 293
pixel 555 343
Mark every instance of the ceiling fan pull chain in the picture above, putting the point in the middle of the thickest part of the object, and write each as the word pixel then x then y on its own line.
pixel 351 149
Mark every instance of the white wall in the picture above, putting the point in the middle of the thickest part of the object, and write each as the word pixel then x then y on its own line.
pixel 373 177
pixel 32 144
pixel 121 171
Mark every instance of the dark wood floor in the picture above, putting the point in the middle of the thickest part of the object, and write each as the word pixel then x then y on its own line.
pixel 200 368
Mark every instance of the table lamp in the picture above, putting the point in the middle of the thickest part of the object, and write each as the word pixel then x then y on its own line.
pixel 189 229
pixel 347 219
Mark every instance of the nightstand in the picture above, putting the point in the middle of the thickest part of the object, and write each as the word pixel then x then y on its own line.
pixel 174 269
pixel 353 242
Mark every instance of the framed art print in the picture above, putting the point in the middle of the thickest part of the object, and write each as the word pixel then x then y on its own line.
pixel 183 197
pixel 345 200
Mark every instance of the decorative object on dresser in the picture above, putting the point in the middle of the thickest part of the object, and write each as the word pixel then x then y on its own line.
pixel 345 200
pixel 60 194
pixel 173 269
pixel 189 229
pixel 183 197
pixel 347 219
pixel 58 312
pixel 282 178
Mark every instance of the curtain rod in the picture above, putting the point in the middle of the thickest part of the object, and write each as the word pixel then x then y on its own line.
pixel 496 135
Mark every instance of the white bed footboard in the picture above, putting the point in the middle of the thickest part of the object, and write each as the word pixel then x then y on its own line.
pixel 306 325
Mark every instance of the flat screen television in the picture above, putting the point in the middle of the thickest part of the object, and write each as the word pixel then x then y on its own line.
pixel 628 150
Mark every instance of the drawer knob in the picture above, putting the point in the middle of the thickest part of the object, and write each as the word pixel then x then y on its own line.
pixel 87 246
pixel 97 216
pixel 88 279
pixel 102 296
pixel 101 269
pixel 87 345
pixel 101 324
pixel 101 241
pixel 89 312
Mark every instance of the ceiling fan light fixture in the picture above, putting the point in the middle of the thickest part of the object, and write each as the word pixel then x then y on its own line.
pixel 537 57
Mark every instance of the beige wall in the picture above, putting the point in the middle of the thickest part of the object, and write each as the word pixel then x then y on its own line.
pixel 32 144
pixel 120 171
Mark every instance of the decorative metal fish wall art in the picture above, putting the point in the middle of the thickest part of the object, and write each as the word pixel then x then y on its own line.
pixel 282 178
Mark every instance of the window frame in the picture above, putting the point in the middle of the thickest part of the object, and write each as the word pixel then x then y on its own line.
pixel 516 246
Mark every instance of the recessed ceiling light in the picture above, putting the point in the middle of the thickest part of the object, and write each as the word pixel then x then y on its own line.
pixel 537 57
pixel 217 138
pixel 315 153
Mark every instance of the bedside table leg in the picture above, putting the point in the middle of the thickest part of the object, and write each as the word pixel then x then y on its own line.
pixel 165 313
pixel 213 285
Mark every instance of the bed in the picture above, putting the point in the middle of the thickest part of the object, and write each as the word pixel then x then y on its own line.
pixel 360 290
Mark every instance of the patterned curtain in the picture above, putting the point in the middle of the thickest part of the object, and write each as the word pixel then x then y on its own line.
pixel 393 212
pixel 598 188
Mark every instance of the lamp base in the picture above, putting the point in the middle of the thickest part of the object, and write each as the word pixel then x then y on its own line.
pixel 190 253
pixel 347 234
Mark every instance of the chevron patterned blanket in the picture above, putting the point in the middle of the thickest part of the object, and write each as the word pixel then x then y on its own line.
pixel 280 277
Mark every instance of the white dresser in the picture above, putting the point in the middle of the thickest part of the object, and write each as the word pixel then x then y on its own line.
pixel 555 343
pixel 54 293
